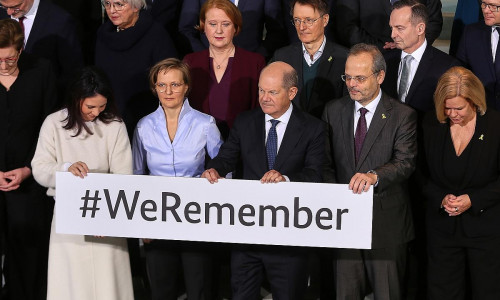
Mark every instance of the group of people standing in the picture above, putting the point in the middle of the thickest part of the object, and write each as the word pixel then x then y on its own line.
pixel 397 116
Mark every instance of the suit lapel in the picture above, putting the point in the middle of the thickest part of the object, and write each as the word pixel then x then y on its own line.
pixel 422 71
pixel 347 121
pixel 37 27
pixel 486 36
pixel 298 60
pixel 241 4
pixel 326 63
pixel 259 131
pixel 391 77
pixel 477 144
pixel 293 133
pixel 380 117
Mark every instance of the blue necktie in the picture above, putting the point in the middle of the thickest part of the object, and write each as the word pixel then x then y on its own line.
pixel 272 144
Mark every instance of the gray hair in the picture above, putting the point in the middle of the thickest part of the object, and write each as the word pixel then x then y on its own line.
pixel 138 4
pixel 378 59
pixel 290 79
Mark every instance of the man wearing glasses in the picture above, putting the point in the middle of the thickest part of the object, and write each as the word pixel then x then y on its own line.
pixel 373 145
pixel 49 32
pixel 478 50
pixel 318 61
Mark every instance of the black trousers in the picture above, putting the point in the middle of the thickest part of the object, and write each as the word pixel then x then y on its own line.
pixel 453 256
pixel 26 215
pixel 285 267
pixel 166 259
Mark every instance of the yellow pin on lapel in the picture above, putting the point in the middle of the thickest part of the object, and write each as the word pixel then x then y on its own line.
pixel 481 137
pixel 330 59
pixel 383 116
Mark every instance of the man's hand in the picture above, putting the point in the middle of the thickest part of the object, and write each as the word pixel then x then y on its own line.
pixel 211 175
pixel 79 169
pixel 11 180
pixel 272 176
pixel 361 182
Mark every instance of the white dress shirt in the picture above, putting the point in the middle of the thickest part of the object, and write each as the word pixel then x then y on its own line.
pixel 28 21
pixel 417 57
pixel 494 41
pixel 316 55
pixel 371 107
pixel 281 126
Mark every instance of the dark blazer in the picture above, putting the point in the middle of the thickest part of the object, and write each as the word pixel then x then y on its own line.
pixel 474 51
pixel 481 182
pixel 54 37
pixel 255 14
pixel 360 21
pixel 389 149
pixel 300 156
pixel 243 94
pixel 327 85
pixel 421 93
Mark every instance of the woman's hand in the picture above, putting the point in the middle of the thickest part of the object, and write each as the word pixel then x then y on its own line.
pixel 11 180
pixel 456 205
pixel 79 169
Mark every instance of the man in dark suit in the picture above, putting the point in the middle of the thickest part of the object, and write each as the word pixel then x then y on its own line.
pixel 412 75
pixel 255 13
pixel 361 21
pixel 408 23
pixel 372 141
pixel 318 62
pixel 478 50
pixel 276 142
pixel 49 32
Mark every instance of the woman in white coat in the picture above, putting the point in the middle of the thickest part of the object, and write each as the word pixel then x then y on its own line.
pixel 86 136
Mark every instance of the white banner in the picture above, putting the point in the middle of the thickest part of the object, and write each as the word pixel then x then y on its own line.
pixel 232 211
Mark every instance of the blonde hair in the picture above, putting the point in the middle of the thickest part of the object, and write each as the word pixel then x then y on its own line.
pixel 459 82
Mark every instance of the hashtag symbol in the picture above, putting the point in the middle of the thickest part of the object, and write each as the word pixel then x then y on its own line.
pixel 86 207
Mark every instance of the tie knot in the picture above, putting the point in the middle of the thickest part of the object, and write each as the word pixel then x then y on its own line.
pixel 363 111
pixel 407 58
pixel 274 122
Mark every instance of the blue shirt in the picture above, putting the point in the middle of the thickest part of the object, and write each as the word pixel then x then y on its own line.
pixel 196 135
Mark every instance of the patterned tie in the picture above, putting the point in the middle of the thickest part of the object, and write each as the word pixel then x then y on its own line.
pixel 360 135
pixel 272 144
pixel 21 22
pixel 405 76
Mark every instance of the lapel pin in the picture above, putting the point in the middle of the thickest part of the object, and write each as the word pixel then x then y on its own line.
pixel 330 59
pixel 383 116
pixel 481 137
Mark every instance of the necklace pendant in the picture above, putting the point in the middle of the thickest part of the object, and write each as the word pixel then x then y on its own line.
pixel 218 67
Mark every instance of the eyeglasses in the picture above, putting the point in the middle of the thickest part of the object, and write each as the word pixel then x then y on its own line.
pixel 491 7
pixel 15 8
pixel 308 22
pixel 10 61
pixel 358 79
pixel 118 6
pixel 174 87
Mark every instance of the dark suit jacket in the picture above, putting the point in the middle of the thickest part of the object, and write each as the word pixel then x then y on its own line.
pixel 255 14
pixel 390 149
pixel 481 181
pixel 300 156
pixel 360 21
pixel 421 93
pixel 327 85
pixel 244 82
pixel 54 37
pixel 23 109
pixel 474 51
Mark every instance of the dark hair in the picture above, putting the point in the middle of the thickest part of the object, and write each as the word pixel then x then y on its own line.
pixel 229 9
pixel 11 34
pixel 89 82
pixel 378 59
pixel 165 66
pixel 319 5
pixel 418 11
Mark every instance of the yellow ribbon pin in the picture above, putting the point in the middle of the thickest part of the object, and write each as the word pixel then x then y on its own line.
pixel 383 116
pixel 481 137
pixel 330 59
